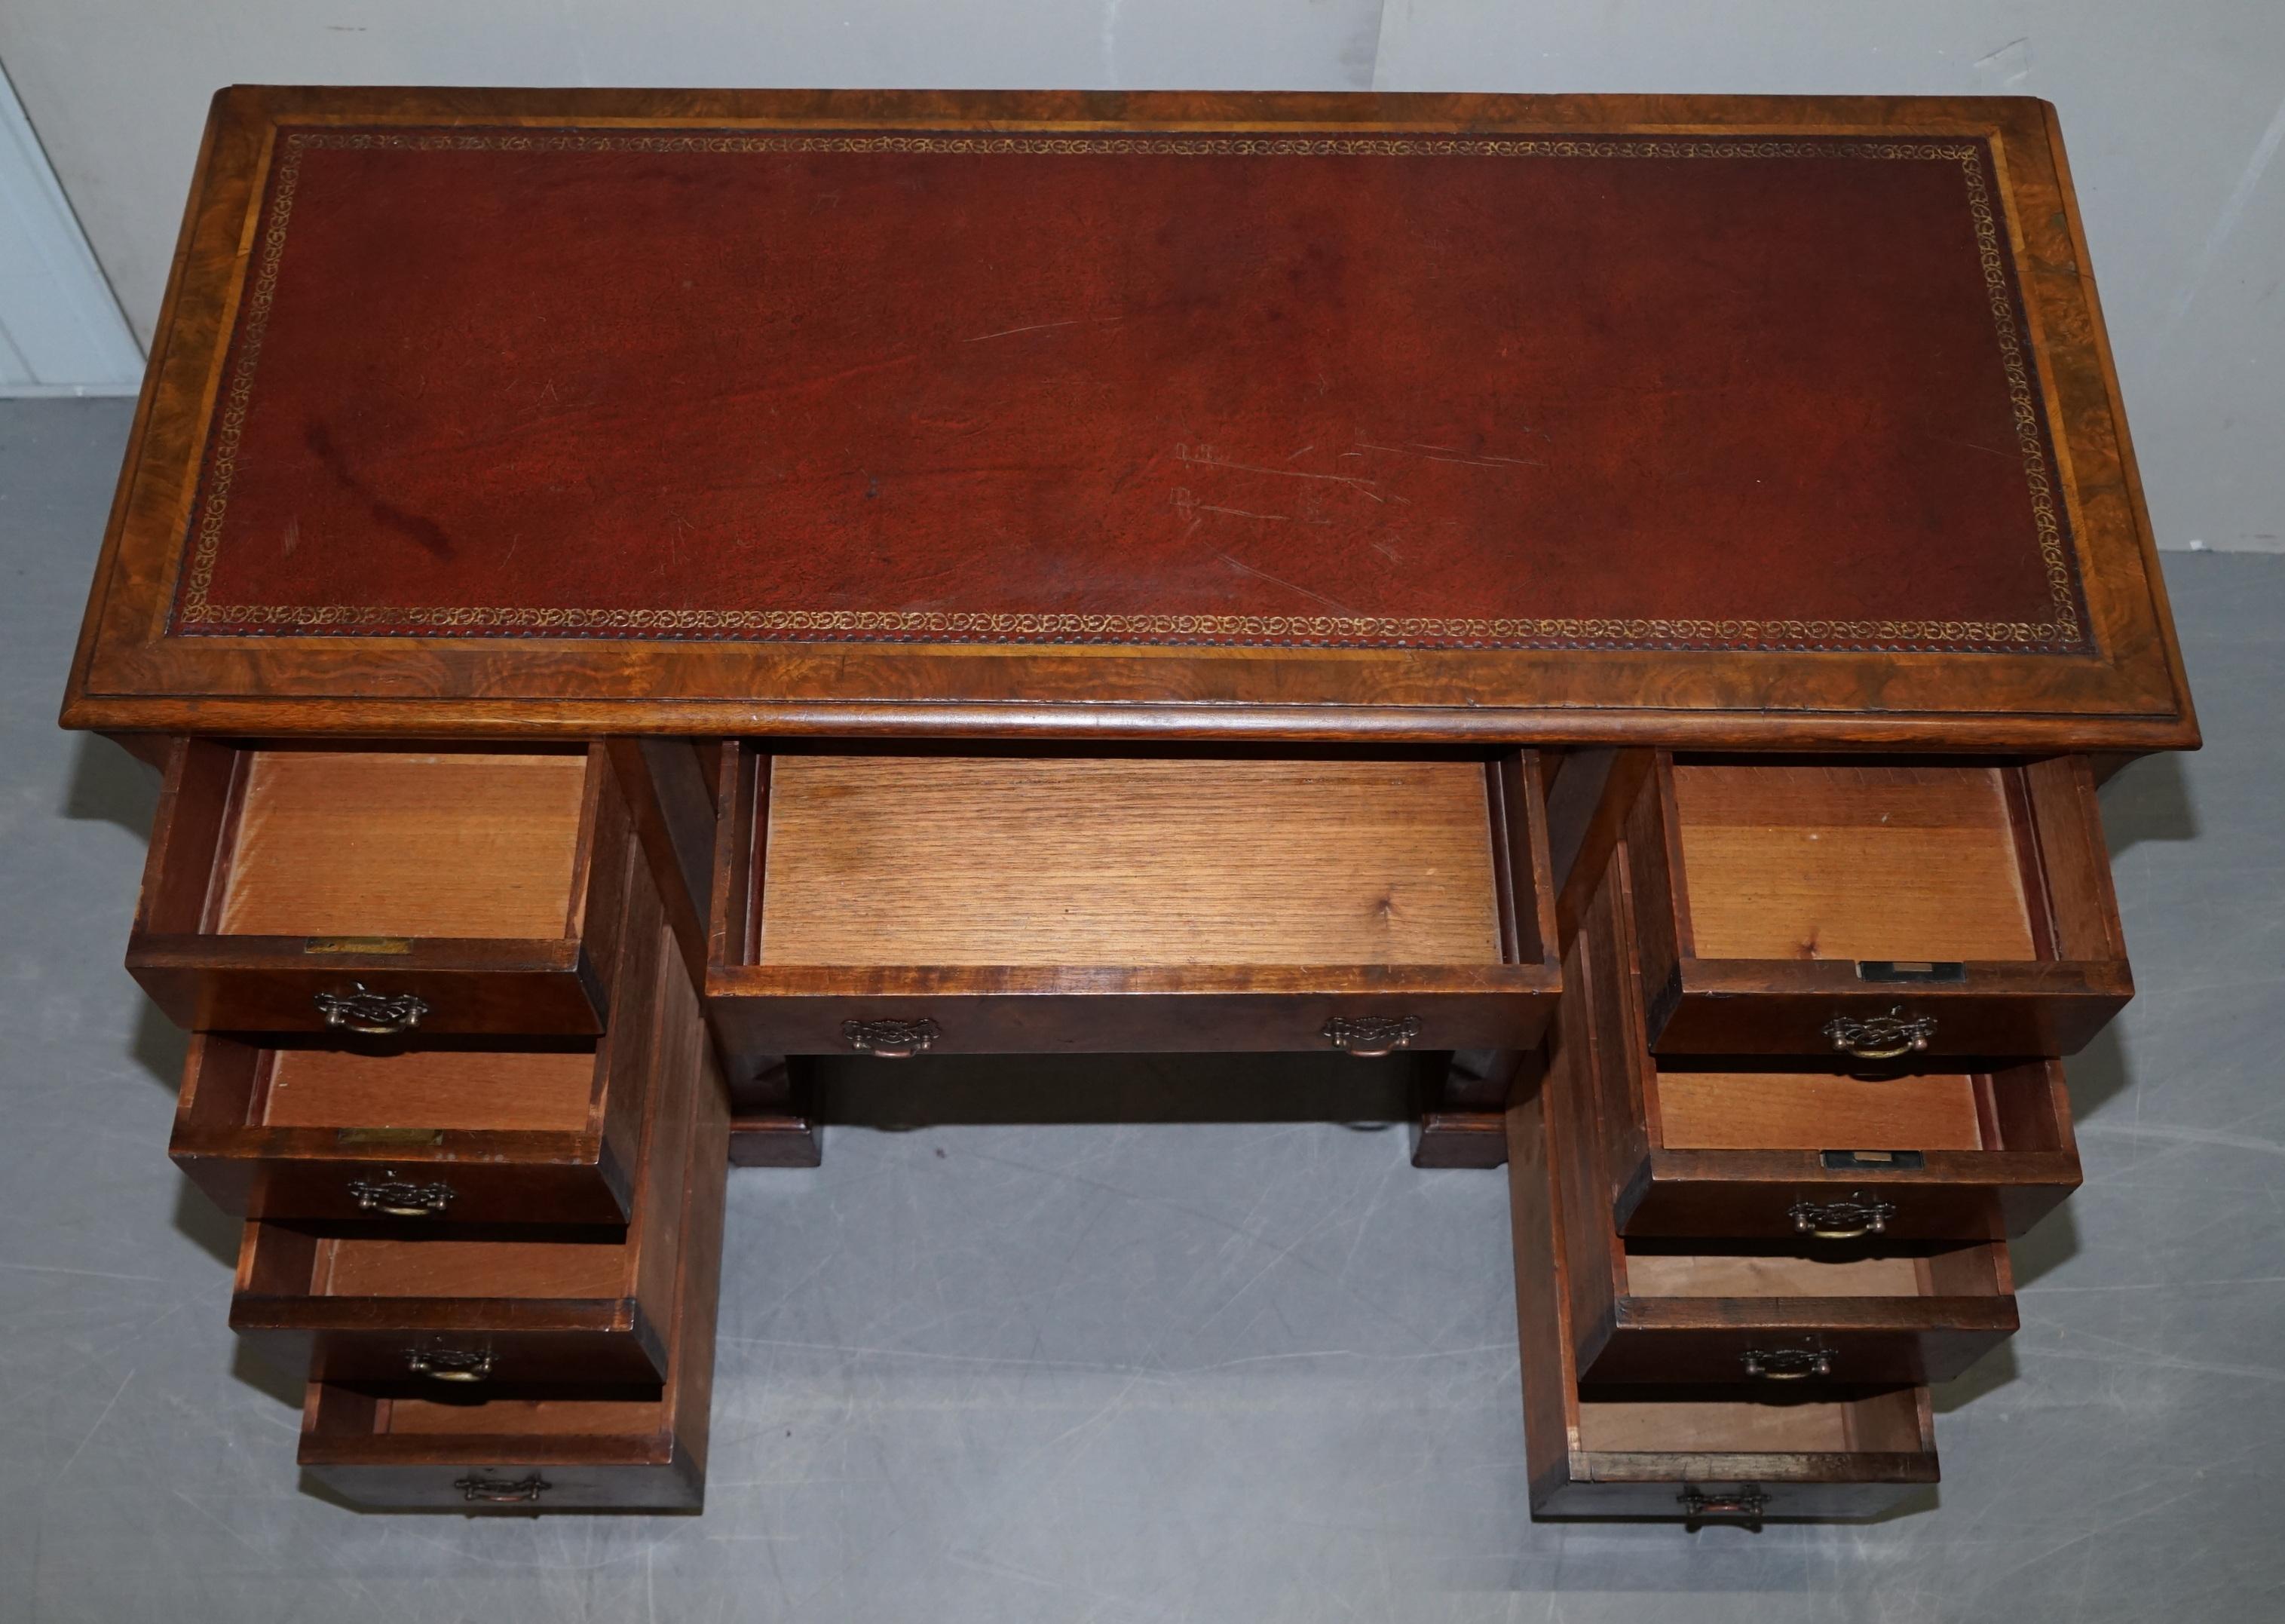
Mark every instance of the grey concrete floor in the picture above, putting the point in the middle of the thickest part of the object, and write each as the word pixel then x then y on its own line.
pixel 1166 1369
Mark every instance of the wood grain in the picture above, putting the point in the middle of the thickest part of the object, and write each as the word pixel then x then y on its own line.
pixel 354 1267
pixel 597 1447
pixel 551 1307
pixel 1877 1421
pixel 1808 1110
pixel 469 1424
pixel 503 1089
pixel 1597 1451
pixel 1836 860
pixel 129 675
pixel 1663 1274
pixel 1700 1147
pixel 380 843
pixel 1133 862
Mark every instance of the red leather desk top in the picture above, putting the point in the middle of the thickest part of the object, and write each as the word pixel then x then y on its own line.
pixel 1304 387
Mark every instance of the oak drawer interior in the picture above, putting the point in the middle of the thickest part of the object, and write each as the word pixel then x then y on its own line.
pixel 1883 1421
pixel 583 1442
pixel 323 843
pixel 1853 861
pixel 1675 1444
pixel 283 1262
pixel 585 1303
pixel 1792 1144
pixel 1876 907
pixel 556 1090
pixel 1780 1108
pixel 294 887
pixel 341 1412
pixel 1777 1270
pixel 1132 861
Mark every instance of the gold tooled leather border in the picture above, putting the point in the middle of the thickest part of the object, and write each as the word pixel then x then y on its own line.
pixel 195 613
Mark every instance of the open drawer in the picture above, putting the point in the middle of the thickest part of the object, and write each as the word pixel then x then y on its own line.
pixel 495 1131
pixel 890 904
pixel 1797 1449
pixel 1770 1145
pixel 1709 1311
pixel 373 892
pixel 1873 1309
pixel 1772 1150
pixel 1876 909
pixel 1677 1452
pixel 465 1305
pixel 493 1447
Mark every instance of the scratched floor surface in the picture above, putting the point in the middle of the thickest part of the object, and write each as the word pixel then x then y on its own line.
pixel 1202 1369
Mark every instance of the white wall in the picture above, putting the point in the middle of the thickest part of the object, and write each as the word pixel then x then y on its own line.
pixel 2174 111
pixel 61 332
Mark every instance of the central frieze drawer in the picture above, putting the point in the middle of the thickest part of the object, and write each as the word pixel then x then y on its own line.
pixel 895 904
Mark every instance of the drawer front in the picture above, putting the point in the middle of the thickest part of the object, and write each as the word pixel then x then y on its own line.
pixel 898 1026
pixel 516 1483
pixel 451 1349
pixel 208 984
pixel 1779 1358
pixel 1963 1196
pixel 1827 1010
pixel 456 1179
pixel 1738 1489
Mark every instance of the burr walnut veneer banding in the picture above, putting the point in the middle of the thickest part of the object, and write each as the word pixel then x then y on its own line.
pixel 1620 602
pixel 1723 420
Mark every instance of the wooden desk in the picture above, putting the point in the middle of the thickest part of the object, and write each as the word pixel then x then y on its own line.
pixel 1633 594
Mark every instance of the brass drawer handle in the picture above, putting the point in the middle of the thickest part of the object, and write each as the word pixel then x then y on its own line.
pixel 1749 1503
pixel 1370 1036
pixel 370 1014
pixel 1851 1219
pixel 891 1040
pixel 393 1197
pixel 1785 1364
pixel 1881 1037
pixel 448 1364
pixel 502 1491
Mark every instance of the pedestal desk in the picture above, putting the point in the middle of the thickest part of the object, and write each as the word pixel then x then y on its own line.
pixel 1629 596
